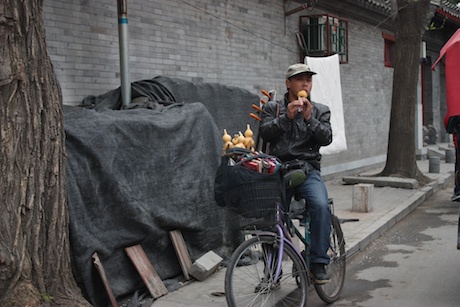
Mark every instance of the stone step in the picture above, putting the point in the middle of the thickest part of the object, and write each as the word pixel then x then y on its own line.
pixel 395 182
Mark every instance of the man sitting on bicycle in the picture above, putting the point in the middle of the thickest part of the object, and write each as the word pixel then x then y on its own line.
pixel 296 128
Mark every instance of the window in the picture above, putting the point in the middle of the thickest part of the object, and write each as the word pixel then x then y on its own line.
pixel 325 35
pixel 389 49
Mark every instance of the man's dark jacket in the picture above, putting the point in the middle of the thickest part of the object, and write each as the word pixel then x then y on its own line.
pixel 296 139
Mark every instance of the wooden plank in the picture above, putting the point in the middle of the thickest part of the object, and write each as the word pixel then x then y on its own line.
pixel 146 270
pixel 100 269
pixel 181 252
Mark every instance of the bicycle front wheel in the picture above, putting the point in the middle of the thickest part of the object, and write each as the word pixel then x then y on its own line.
pixel 331 291
pixel 250 276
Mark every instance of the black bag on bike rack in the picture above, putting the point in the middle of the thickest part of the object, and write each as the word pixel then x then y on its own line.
pixel 251 193
pixel 296 172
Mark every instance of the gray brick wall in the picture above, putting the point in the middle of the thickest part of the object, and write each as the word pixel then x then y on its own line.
pixel 246 44
pixel 207 41
pixel 366 87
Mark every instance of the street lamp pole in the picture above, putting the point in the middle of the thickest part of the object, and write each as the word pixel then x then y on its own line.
pixel 124 51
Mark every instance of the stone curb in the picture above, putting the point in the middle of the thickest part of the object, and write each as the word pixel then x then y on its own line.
pixel 398 214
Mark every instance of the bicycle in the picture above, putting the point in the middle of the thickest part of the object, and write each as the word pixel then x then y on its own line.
pixel 268 269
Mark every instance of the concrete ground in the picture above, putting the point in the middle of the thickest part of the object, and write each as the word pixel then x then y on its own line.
pixel 389 204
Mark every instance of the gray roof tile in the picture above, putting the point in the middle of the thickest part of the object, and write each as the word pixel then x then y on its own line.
pixel 384 6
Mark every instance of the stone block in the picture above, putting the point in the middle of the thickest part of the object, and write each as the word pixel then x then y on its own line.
pixel 433 164
pixel 395 182
pixel 204 266
pixel 363 197
pixel 450 155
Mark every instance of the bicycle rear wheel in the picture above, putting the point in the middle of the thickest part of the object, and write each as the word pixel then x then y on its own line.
pixel 331 291
pixel 249 279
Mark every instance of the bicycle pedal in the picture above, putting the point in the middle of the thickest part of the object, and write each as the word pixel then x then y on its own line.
pixel 265 287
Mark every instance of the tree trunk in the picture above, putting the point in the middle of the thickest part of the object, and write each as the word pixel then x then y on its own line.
pixel 35 266
pixel 409 24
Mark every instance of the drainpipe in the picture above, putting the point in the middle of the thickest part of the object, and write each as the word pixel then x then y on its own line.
pixel 124 52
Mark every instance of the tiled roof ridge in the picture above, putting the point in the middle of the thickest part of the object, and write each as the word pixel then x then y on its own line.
pixel 450 9
pixel 384 6
pixel 381 6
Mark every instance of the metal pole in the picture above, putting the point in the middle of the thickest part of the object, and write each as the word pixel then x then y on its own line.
pixel 124 51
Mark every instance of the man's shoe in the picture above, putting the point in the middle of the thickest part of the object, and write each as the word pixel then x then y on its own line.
pixel 455 198
pixel 320 276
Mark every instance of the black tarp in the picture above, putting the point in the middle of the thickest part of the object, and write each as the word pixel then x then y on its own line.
pixel 136 173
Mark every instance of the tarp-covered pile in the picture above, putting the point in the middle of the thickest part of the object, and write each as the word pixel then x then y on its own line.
pixel 137 173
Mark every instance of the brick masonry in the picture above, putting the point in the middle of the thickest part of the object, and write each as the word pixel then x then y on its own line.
pixel 246 44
